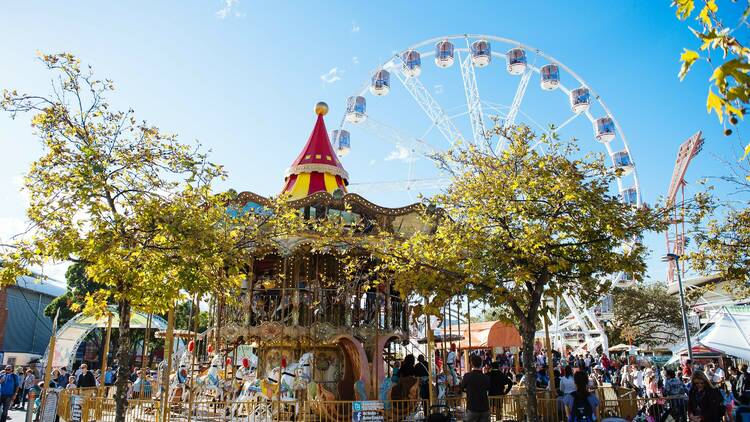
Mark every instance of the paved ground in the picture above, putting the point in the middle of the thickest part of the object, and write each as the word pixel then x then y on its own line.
pixel 17 415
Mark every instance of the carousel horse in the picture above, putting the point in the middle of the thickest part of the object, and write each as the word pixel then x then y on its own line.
pixel 178 380
pixel 296 376
pixel 212 383
pixel 249 387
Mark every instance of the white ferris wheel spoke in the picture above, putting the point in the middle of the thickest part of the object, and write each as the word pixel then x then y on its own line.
pixel 515 106
pixel 473 101
pixel 396 137
pixel 429 105
pixel 581 322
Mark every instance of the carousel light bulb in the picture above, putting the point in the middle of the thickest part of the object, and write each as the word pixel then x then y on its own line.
pixel 321 108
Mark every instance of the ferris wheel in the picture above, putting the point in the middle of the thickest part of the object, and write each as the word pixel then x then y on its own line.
pixel 443 105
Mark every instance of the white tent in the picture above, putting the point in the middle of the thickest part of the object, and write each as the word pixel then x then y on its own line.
pixel 730 332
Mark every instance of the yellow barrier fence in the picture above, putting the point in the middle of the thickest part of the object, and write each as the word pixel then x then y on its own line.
pixel 613 403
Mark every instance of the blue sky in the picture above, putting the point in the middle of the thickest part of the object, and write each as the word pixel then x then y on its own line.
pixel 242 77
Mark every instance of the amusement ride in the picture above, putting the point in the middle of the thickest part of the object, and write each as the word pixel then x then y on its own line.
pixel 299 329
pixel 418 78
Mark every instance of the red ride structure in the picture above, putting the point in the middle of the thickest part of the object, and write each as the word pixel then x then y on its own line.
pixel 675 234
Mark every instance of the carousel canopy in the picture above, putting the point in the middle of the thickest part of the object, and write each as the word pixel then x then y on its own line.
pixel 317 168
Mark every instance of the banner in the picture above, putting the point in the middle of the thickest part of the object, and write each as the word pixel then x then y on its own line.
pixel 367 411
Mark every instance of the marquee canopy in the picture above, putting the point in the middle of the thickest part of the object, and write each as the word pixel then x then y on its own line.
pixel 485 335
pixel 69 337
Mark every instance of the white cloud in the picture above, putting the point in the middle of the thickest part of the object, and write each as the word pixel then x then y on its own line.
pixel 355 60
pixel 355 27
pixel 438 89
pixel 372 162
pixel 333 75
pixel 226 9
pixel 401 153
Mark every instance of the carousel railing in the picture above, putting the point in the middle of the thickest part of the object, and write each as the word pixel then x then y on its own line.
pixel 512 407
pixel 305 307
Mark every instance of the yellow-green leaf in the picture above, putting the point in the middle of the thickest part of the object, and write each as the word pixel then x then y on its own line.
pixel 684 8
pixel 714 102
pixel 688 57
pixel 747 151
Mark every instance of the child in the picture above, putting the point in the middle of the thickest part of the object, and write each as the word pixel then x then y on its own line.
pixel 71 383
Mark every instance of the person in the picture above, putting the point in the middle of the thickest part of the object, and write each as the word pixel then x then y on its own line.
pixel 714 373
pixel 742 386
pixel 62 380
pixel 109 376
pixel 142 386
pixel 134 375
pixel 407 367
pixel 19 392
pixel 53 379
pixel 705 403
pixel 652 387
pixel 675 392
pixel 687 368
pixel 500 384
pixel 477 386
pixel 581 405
pixel 86 379
pixel 71 385
pixel 421 372
pixel 567 385
pixel 8 390
pixel 451 361
pixel 29 381
pixel 639 380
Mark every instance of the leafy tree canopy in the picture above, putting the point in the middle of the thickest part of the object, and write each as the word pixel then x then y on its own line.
pixel 518 225
pixel 721 46
pixel 646 313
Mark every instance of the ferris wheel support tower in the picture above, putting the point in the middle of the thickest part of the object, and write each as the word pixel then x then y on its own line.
pixel 675 234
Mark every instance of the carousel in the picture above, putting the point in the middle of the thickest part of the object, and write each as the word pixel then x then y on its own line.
pixel 300 332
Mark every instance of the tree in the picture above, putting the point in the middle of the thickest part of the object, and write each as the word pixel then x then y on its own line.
pixel 131 203
pixel 71 302
pixel 649 311
pixel 519 225
pixel 722 49
pixel 720 229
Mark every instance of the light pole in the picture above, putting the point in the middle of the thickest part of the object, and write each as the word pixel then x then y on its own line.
pixel 676 258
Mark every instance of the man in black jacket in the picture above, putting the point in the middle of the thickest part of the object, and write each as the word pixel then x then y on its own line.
pixel 500 383
pixel 477 385
pixel 742 387
pixel 86 379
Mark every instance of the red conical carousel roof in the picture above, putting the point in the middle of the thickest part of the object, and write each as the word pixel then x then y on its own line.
pixel 317 168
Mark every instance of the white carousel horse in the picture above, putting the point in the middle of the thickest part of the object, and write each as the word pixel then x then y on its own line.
pixel 178 380
pixel 212 382
pixel 296 376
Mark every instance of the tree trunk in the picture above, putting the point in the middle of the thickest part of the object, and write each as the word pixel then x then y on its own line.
pixel 529 329
pixel 123 356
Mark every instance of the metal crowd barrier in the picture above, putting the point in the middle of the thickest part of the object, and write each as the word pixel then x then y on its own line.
pixel 92 407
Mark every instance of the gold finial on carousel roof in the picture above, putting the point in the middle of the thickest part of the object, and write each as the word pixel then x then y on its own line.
pixel 321 108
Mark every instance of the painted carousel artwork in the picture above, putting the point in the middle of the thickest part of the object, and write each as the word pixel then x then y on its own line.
pixel 300 331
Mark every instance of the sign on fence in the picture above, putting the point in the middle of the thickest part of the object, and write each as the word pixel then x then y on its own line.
pixel 367 411
pixel 49 413
pixel 76 413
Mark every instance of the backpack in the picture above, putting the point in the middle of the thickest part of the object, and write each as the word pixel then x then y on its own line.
pixel 581 410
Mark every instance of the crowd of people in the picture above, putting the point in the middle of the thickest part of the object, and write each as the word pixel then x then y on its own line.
pixel 693 392
pixel 15 387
